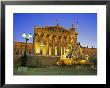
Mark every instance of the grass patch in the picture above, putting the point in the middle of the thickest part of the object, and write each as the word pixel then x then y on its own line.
pixel 58 70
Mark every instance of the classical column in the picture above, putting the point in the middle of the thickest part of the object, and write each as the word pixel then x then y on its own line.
pixel 53 45
pixel 62 41
pixel 59 47
pixel 41 43
pixel 47 45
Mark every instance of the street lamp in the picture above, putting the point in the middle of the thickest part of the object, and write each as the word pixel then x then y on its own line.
pixel 27 37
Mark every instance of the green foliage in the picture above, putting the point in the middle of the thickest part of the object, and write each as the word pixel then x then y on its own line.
pixel 93 60
pixel 59 70
pixel 17 62
pixel 23 60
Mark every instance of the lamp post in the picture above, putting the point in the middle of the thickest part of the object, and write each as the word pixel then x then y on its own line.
pixel 27 37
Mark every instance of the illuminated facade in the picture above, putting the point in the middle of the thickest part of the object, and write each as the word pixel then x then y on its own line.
pixel 53 40
pixel 89 51
pixel 19 48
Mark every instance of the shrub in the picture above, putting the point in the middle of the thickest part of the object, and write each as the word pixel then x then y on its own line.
pixel 93 60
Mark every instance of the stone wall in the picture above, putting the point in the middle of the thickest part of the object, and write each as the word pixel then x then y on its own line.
pixel 37 61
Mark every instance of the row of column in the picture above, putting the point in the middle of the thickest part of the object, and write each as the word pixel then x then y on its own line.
pixel 61 42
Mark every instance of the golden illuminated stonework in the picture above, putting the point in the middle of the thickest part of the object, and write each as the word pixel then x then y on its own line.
pixel 73 55
pixel 53 40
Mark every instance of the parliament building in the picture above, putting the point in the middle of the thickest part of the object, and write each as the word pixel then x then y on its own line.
pixel 52 41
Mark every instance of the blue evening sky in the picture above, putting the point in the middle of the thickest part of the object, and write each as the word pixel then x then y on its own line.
pixel 86 27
